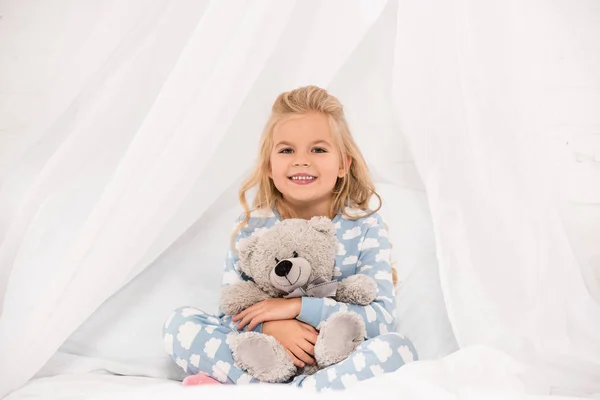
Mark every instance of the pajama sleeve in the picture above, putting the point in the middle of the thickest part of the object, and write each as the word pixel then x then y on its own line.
pixel 373 261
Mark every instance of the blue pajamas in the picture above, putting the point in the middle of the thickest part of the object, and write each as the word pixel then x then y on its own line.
pixel 197 342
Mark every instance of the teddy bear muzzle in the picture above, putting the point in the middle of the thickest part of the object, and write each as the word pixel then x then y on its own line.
pixel 290 274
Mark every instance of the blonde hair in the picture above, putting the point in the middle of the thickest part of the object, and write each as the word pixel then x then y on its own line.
pixel 353 190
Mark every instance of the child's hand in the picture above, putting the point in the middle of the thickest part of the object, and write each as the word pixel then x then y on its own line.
pixel 296 337
pixel 268 310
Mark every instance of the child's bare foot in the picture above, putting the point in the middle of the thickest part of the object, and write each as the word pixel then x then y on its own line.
pixel 199 379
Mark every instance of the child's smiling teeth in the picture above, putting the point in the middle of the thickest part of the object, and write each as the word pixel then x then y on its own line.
pixel 302 178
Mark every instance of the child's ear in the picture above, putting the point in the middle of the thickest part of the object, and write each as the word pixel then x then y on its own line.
pixel 343 171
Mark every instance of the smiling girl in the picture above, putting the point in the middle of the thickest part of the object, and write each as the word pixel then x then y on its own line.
pixel 308 165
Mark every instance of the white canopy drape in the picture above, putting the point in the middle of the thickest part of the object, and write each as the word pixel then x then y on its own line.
pixel 499 104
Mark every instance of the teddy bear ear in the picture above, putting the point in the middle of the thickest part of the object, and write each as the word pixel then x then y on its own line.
pixel 322 224
pixel 245 248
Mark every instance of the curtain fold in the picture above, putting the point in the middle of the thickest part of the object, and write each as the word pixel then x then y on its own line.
pixel 483 92
pixel 144 146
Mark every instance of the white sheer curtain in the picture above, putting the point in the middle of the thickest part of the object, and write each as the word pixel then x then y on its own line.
pixel 499 103
pixel 146 106
pixel 143 139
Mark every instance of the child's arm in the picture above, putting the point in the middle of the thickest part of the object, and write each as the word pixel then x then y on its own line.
pixel 373 261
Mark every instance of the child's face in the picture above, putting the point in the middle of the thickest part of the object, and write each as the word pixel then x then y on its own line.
pixel 305 163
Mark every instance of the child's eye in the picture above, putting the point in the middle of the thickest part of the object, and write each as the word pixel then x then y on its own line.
pixel 287 150
pixel 319 150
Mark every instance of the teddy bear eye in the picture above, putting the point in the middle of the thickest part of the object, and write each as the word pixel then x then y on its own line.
pixel 277 260
pixel 294 254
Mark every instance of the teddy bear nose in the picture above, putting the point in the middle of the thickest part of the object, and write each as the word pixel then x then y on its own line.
pixel 283 268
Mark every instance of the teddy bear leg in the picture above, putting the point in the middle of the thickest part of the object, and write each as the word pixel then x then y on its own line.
pixel 339 336
pixel 263 357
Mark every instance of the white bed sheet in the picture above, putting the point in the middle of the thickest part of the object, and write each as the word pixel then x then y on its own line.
pixel 474 372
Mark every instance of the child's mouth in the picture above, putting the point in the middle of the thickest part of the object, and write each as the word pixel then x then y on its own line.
pixel 302 179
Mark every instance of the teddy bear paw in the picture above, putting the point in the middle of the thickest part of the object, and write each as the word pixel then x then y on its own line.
pixel 262 357
pixel 357 289
pixel 339 336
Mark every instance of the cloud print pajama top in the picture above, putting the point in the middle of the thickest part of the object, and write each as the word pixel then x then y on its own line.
pixel 197 341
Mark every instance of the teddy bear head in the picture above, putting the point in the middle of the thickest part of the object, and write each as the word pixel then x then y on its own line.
pixel 289 255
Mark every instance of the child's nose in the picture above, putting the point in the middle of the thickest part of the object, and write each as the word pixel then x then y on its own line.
pixel 301 163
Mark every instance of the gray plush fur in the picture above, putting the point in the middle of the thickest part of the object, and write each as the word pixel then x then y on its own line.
pixel 236 298
pixel 308 248
pixel 357 289
pixel 262 356
pixel 338 337
pixel 314 241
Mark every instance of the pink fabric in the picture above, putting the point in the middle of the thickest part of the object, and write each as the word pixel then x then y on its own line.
pixel 199 379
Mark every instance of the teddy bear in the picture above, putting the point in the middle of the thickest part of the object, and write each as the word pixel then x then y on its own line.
pixel 295 257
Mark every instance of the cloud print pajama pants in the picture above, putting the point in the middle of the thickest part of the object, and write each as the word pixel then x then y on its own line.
pixel 197 342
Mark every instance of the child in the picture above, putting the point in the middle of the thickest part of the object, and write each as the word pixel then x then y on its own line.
pixel 309 166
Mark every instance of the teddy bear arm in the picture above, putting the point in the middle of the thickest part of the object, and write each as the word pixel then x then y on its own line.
pixel 236 298
pixel 357 289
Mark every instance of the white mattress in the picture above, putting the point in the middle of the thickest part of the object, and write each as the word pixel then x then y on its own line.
pixel 476 372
